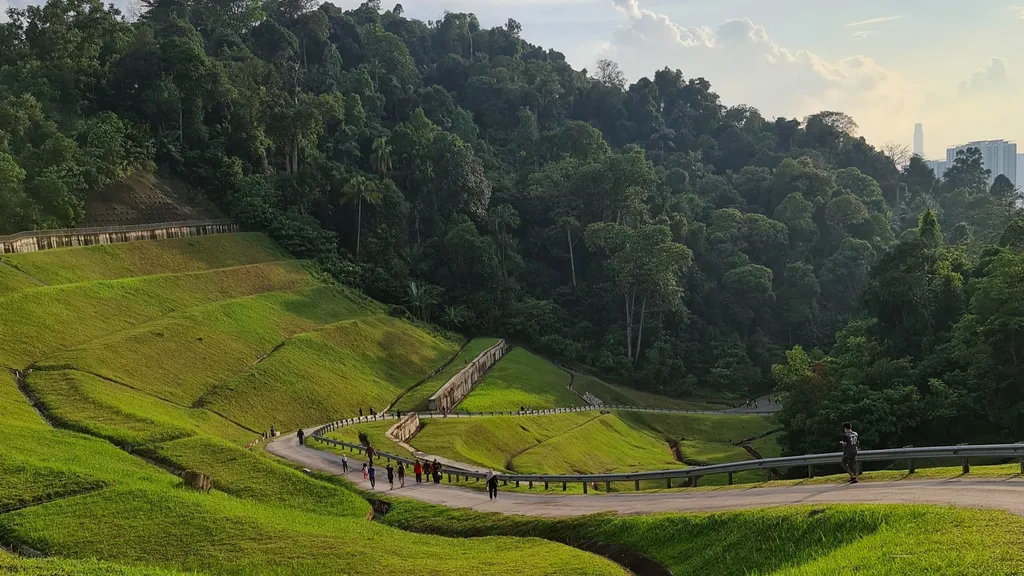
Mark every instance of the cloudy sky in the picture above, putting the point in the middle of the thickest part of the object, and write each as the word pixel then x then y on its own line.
pixel 957 67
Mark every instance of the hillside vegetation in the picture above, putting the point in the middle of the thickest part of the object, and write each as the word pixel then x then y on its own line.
pixel 262 517
pixel 416 400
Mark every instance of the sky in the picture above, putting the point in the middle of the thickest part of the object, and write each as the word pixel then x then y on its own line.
pixel 956 67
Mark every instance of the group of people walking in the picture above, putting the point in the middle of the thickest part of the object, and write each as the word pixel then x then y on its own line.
pixel 432 470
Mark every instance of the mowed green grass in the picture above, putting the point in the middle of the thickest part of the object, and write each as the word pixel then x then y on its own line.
pixel 171 256
pixel 41 321
pixel 493 442
pixel 331 373
pixel 12 280
pixel 521 379
pixel 625 396
pixel 182 356
pixel 14 566
pixel 839 540
pixel 124 416
pixel 376 433
pixel 415 400
pixel 602 445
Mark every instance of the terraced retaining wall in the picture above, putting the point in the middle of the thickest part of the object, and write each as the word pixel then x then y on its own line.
pixel 405 428
pixel 456 388
pixel 36 240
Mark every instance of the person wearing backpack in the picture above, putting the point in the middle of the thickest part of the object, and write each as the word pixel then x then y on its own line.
pixel 850 444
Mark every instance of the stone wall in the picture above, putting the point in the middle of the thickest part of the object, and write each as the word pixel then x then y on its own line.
pixel 46 239
pixel 455 389
pixel 405 428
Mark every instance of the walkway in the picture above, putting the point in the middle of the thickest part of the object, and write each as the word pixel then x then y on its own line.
pixel 1005 494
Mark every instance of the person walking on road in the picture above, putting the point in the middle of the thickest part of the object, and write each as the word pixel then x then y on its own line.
pixel 301 436
pixel 401 474
pixel 437 471
pixel 492 485
pixel 850 442
pixel 369 454
pixel 344 464
pixel 391 475
pixel 417 469
pixel 365 475
pixel 373 477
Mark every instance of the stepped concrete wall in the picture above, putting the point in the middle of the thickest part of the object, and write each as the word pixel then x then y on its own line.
pixel 455 389
pixel 46 239
pixel 405 428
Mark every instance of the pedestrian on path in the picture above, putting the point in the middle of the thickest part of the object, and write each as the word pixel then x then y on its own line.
pixel 369 454
pixel 417 469
pixel 850 442
pixel 344 464
pixel 401 474
pixel 391 475
pixel 360 411
pixel 301 435
pixel 492 485
pixel 272 431
pixel 373 477
pixel 365 475
pixel 437 472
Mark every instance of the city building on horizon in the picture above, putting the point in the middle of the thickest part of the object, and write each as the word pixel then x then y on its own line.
pixel 919 139
pixel 937 166
pixel 999 156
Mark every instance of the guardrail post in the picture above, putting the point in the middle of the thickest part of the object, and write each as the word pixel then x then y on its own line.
pixel 636 485
pixel 728 479
pixel 810 470
pixel 966 467
pixel 607 486
pixel 584 487
pixel 768 473
pixel 545 484
pixel 693 482
pixel 1022 466
pixel 563 486
pixel 449 477
pixel 910 466
pixel 504 482
pixel 517 483
pixel 530 485
pixel 668 482
pixel 860 468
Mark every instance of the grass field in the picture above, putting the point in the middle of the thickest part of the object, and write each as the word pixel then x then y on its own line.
pixel 182 356
pixel 41 321
pixel 320 376
pixel 886 540
pixel 12 279
pixel 172 256
pixel 524 379
pixel 416 399
pixel 622 395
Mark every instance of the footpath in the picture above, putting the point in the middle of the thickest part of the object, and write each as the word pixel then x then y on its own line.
pixel 1004 494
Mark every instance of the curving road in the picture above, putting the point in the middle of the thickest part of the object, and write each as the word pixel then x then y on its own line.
pixel 1005 494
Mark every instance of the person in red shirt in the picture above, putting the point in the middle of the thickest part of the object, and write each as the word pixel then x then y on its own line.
pixel 417 469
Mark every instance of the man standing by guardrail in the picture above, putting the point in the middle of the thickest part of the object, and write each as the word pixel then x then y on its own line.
pixel 849 443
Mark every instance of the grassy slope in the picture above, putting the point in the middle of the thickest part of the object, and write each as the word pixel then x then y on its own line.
pixel 625 396
pixel 493 441
pixel 375 432
pixel 521 379
pixel 416 399
pixel 12 280
pixel 89 404
pixel 10 565
pixel 41 321
pixel 320 376
pixel 182 356
pixel 172 256
pixel 605 444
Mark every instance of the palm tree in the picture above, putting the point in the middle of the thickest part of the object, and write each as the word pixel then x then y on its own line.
pixel 357 191
pixel 380 157
pixel 422 297
pixel 454 316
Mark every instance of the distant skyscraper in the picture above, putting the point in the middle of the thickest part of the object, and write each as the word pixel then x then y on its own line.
pixel 919 140
pixel 999 156
pixel 937 166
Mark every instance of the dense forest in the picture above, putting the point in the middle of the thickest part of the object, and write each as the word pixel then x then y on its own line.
pixel 471 179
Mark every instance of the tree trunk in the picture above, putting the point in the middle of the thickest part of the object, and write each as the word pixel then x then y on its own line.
pixel 640 333
pixel 359 224
pixel 629 327
pixel 572 258
pixel 295 156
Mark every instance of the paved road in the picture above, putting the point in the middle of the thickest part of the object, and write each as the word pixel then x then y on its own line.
pixel 996 494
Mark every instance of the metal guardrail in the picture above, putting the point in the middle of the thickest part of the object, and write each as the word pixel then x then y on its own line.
pixel 909 455
pixel 112 229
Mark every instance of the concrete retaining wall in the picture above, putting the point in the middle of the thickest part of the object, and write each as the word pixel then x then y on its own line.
pixel 455 389
pixel 46 239
pixel 405 428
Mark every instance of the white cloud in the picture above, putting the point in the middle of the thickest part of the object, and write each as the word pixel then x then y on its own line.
pixel 861 34
pixel 745 65
pixel 992 77
pixel 878 20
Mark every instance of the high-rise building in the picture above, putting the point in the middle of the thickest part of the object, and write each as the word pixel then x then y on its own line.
pixel 999 156
pixel 919 140
pixel 937 166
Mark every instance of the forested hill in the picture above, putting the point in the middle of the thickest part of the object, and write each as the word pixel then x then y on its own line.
pixel 483 183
